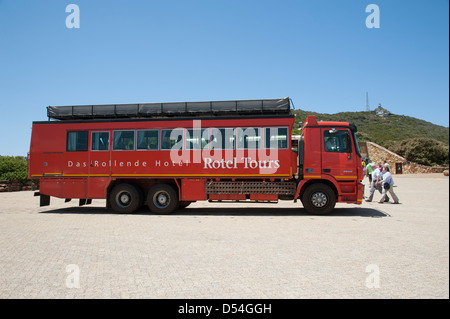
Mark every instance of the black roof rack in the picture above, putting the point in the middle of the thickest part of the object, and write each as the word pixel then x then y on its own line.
pixel 172 109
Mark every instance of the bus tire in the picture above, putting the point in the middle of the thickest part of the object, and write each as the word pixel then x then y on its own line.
pixel 319 199
pixel 125 198
pixel 162 199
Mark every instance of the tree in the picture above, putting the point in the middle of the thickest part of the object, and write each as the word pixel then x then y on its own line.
pixel 425 151
pixel 13 168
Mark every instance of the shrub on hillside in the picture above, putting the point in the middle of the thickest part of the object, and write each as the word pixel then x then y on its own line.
pixel 13 168
pixel 425 151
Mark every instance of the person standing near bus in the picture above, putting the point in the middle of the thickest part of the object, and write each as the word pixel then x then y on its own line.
pixel 375 185
pixel 363 164
pixel 387 165
pixel 388 186
pixel 369 171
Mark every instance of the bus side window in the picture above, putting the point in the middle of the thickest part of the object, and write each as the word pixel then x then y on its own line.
pixel 171 138
pixel 347 142
pixel 147 140
pixel 337 142
pixel 100 141
pixel 248 138
pixel 77 141
pixel 196 139
pixel 123 141
pixel 276 138
pixel 222 138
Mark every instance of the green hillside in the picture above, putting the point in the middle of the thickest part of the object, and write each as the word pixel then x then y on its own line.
pixel 384 131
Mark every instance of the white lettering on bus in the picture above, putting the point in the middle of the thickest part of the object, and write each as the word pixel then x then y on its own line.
pixel 248 163
pixel 207 163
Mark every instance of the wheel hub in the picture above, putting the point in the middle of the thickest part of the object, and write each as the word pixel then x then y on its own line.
pixel 161 199
pixel 123 199
pixel 319 199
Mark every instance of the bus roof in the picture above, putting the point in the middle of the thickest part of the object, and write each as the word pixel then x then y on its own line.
pixel 167 119
pixel 311 121
pixel 172 109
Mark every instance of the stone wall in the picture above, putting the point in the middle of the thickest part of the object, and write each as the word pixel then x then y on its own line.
pixel 377 153
pixel 414 168
pixel 15 186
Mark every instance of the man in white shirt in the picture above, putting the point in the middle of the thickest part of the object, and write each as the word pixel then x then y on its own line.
pixel 386 165
pixel 388 186
pixel 376 177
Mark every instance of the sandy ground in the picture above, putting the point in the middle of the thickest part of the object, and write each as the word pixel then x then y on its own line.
pixel 230 250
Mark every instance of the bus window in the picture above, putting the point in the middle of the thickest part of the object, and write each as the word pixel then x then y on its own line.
pixel 276 137
pixel 222 138
pixel 77 141
pixel 248 138
pixel 147 140
pixel 196 139
pixel 123 141
pixel 169 138
pixel 100 141
pixel 337 142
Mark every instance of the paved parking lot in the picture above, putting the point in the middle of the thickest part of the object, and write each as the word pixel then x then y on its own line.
pixel 230 250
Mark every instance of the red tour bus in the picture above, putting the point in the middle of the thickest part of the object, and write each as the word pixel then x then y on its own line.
pixel 168 155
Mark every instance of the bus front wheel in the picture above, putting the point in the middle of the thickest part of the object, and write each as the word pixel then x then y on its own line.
pixel 319 199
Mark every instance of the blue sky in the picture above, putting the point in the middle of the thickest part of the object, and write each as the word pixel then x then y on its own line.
pixel 319 53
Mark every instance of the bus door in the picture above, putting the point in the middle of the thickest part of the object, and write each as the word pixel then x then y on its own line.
pixel 338 159
pixel 99 162
pixel 53 164
pixel 76 163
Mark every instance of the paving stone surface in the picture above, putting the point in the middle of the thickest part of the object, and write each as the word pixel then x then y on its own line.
pixel 229 250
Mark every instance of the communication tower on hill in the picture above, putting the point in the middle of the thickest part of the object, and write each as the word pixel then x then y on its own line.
pixel 367 102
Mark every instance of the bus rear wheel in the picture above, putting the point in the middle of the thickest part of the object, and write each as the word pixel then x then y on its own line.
pixel 125 198
pixel 319 199
pixel 162 199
